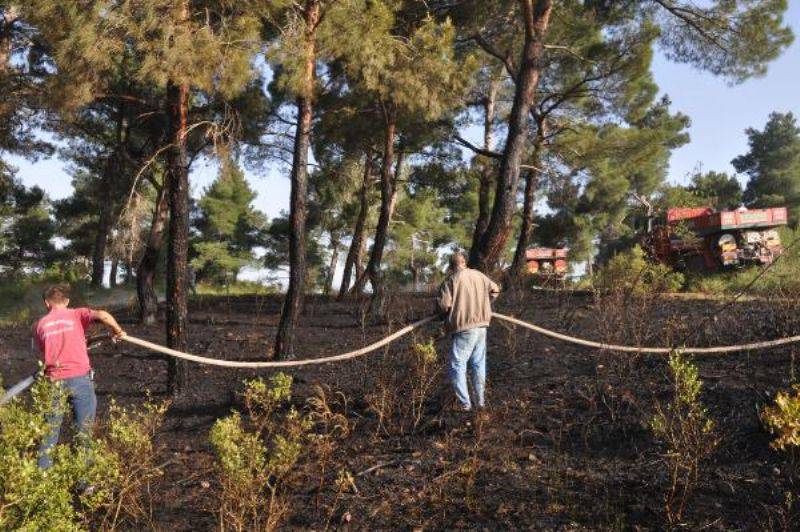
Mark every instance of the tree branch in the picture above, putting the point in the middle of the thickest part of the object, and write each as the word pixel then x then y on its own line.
pixel 480 151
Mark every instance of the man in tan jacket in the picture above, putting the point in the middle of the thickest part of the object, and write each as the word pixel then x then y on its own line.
pixel 465 298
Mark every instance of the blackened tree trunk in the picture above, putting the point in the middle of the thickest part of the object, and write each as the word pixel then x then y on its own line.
pixel 488 167
pixel 531 182
pixel 335 243
pixel 177 184
pixel 388 193
pixel 526 227
pixel 536 20
pixel 101 238
pixel 112 275
pixel 357 242
pixel 284 342
pixel 146 272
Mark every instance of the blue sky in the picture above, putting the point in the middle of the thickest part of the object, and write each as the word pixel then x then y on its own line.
pixel 719 112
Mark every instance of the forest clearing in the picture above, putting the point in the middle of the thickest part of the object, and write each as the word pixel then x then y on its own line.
pixel 568 444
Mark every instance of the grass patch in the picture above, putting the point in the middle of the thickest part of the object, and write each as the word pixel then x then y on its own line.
pixel 21 297
pixel 239 288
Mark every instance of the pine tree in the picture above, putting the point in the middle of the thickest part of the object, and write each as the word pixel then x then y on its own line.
pixel 180 47
pixel 229 227
pixel 26 228
pixel 405 63
pixel 720 190
pixel 773 165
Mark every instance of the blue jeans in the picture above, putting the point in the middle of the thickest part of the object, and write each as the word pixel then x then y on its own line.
pixel 81 398
pixel 469 348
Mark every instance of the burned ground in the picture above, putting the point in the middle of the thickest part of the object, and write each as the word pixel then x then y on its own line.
pixel 567 444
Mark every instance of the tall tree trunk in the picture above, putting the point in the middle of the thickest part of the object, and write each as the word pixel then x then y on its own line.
pixel 357 242
pixel 488 167
pixel 531 182
pixel 101 238
pixel 284 342
pixel 146 272
pixel 335 243
pixel 177 184
pixel 526 227
pixel 107 203
pixel 112 276
pixel 360 266
pixel 388 192
pixel 536 19
pixel 8 16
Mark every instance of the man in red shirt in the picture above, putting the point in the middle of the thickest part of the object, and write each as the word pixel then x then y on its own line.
pixel 60 337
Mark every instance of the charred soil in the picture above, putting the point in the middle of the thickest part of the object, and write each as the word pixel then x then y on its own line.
pixel 566 443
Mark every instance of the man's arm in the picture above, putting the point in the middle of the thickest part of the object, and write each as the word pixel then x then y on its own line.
pixel 108 320
pixel 494 288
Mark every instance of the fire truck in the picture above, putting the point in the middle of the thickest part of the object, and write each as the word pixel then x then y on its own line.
pixel 701 239
pixel 547 262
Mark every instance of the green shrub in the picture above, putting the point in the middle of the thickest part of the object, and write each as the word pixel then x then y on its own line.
pixel 631 271
pixel 257 455
pixel 33 499
pixel 783 419
pixel 686 432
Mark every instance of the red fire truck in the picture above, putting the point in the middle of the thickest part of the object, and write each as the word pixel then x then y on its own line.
pixel 698 238
pixel 547 262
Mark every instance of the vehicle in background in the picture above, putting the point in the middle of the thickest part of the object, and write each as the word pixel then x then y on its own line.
pixel 700 239
pixel 547 263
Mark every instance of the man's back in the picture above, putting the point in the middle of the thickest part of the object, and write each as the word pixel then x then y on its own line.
pixel 59 335
pixel 466 297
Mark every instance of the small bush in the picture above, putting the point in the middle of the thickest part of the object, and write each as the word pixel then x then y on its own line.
pixel 33 499
pixel 127 436
pixel 783 419
pixel 256 456
pixel 632 272
pixel 686 432
pixel 403 388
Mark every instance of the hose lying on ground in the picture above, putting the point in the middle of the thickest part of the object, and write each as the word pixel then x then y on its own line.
pixel 280 363
pixel 402 332
pixel 649 350
pixel 21 386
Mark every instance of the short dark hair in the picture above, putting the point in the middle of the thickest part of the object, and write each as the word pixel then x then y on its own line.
pixel 57 294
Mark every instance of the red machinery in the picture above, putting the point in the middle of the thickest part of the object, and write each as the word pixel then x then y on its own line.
pixel 698 238
pixel 547 261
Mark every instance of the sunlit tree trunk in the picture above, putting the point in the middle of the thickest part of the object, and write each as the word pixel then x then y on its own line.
pixel 8 17
pixel 536 18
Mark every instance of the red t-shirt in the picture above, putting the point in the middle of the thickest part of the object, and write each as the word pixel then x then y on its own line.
pixel 60 337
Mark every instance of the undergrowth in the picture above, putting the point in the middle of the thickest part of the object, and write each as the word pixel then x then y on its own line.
pixel 119 464
pixel 256 454
pixel 686 433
